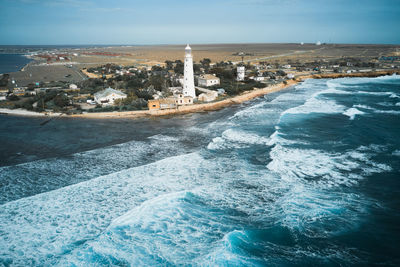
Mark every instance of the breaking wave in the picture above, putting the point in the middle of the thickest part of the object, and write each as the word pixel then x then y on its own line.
pixel 280 182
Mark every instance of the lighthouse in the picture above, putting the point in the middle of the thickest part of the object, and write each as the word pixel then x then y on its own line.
pixel 188 79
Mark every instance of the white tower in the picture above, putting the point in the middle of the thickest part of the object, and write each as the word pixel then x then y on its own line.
pixel 188 79
pixel 240 73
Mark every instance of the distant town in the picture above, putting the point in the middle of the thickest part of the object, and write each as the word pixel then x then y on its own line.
pixel 67 81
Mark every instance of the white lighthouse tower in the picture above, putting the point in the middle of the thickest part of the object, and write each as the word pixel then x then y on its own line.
pixel 188 79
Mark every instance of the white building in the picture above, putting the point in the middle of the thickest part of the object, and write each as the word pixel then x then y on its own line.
pixel 240 73
pixel 290 75
pixel 73 86
pixel 108 96
pixel 259 78
pixel 208 80
pixel 188 80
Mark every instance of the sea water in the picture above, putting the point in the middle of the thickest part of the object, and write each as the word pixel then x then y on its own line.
pixel 12 62
pixel 308 176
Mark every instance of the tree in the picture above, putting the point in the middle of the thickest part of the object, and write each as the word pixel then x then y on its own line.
pixel 205 62
pixel 61 100
pixel 4 80
pixel 13 98
pixel 179 67
pixel 170 64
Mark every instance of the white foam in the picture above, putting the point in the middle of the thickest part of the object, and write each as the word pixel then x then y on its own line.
pixel 53 223
pixel 162 137
pixel 236 138
pixel 396 153
pixel 394 112
pixel 352 112
pixel 314 105
pixel 49 174
pixel 322 168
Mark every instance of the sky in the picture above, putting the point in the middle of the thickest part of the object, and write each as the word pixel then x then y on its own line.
pixel 78 22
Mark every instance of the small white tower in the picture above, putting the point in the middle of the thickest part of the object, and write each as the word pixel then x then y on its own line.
pixel 240 73
pixel 188 79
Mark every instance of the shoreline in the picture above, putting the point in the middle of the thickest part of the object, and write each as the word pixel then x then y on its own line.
pixel 203 107
pixel 27 113
pixel 244 97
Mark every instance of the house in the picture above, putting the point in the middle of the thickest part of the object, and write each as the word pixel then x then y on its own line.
pixel 259 78
pixel 170 102
pixel 108 96
pixel 181 100
pixel 290 75
pixel 18 91
pixel 208 97
pixel 208 80
pixel 162 103
pixel 73 86
pixel 240 73
pixel 3 93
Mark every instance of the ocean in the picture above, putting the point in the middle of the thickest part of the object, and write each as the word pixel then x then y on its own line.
pixel 12 62
pixel 308 176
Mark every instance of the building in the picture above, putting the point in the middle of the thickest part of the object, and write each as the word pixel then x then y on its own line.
pixel 3 93
pixel 181 99
pixel 208 80
pixel 259 78
pixel 188 80
pixel 162 103
pixel 170 102
pixel 19 91
pixel 240 73
pixel 208 97
pixel 108 96
pixel 73 87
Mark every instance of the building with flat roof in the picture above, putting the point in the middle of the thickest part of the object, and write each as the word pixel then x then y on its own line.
pixel 241 71
pixel 208 80
pixel 162 103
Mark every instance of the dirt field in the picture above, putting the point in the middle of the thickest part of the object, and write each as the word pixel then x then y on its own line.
pixel 152 55
pixel 225 52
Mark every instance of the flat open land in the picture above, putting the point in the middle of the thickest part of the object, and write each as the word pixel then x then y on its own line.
pixel 277 52
pixel 158 54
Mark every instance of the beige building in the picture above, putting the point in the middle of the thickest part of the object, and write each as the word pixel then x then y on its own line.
pixel 170 102
pixel 181 100
pixel 208 80
pixel 162 103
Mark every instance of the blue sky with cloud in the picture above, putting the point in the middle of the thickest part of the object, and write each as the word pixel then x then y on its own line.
pixel 218 21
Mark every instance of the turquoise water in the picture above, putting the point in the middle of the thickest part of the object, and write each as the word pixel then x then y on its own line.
pixel 12 62
pixel 308 176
